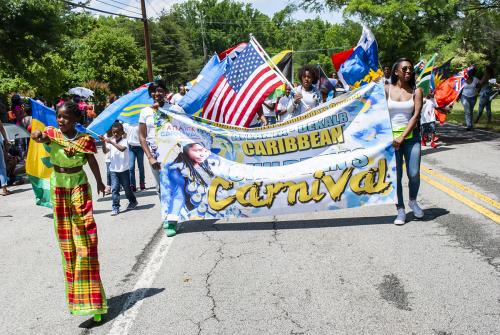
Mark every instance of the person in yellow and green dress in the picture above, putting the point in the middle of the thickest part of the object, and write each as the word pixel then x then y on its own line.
pixel 74 223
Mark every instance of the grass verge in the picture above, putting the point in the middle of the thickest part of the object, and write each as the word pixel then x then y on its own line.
pixel 457 116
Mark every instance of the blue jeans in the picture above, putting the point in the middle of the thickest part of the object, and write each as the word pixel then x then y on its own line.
pixel 484 101
pixel 136 152
pixel 3 168
pixel 108 174
pixel 468 103
pixel 409 150
pixel 121 179
pixel 271 119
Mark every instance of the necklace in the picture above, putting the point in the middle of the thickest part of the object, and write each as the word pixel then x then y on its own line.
pixel 71 139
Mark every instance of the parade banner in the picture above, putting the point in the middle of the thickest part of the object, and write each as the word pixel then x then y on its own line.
pixel 338 155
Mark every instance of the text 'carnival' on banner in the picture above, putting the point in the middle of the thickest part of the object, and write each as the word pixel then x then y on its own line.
pixel 338 155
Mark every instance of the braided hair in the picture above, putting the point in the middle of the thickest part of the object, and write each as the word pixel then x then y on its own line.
pixel 183 158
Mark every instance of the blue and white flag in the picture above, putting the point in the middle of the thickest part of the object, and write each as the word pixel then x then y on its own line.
pixel 359 65
pixel 193 101
pixel 125 109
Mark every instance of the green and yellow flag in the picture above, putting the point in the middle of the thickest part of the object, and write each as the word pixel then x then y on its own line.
pixel 424 78
pixel 283 61
pixel 38 166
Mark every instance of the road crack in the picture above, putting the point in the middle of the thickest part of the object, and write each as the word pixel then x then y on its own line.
pixel 275 235
pixel 208 283
pixel 286 315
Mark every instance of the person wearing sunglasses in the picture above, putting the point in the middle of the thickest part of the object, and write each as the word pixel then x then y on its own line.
pixel 404 102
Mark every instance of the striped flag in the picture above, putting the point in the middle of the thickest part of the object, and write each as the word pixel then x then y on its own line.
pixel 38 165
pixel 240 91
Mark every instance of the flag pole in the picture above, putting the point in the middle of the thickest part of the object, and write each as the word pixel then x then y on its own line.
pixel 271 61
pixel 276 68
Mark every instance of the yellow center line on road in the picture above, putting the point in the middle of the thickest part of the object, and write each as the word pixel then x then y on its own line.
pixel 486 212
pixel 460 186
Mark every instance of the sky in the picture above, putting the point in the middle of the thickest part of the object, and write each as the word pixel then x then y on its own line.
pixel 154 8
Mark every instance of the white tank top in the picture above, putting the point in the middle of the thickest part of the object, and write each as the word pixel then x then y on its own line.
pixel 400 112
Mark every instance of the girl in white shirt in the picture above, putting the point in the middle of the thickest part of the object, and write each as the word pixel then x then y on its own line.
pixel 119 167
pixel 306 95
pixel 428 121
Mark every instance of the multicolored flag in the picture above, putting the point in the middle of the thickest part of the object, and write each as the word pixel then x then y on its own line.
pixel 38 166
pixel 240 91
pixel 126 109
pixel 424 78
pixel 419 67
pixel 359 65
pixel 440 74
pixel 324 82
pixel 284 62
pixel 448 92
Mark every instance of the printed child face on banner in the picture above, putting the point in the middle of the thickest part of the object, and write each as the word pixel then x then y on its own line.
pixel 197 153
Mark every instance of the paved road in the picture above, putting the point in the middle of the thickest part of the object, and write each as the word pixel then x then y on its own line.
pixel 346 272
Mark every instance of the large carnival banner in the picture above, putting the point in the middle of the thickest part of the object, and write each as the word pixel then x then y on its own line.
pixel 338 155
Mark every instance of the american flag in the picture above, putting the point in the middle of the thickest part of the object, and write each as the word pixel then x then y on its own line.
pixel 241 89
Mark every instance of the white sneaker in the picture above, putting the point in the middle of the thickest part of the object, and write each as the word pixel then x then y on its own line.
pixel 401 218
pixel 417 211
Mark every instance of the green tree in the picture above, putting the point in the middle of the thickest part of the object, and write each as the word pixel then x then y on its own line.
pixel 110 55
pixel 469 30
pixel 172 55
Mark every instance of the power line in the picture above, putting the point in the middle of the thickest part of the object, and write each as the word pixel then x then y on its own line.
pixel 123 3
pixel 325 49
pixel 100 10
pixel 120 8
pixel 154 9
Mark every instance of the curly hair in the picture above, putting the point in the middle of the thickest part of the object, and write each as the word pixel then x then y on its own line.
pixel 312 70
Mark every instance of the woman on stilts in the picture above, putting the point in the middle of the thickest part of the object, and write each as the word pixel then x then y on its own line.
pixel 74 223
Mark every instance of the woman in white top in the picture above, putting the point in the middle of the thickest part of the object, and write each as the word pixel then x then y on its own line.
pixel 469 97
pixel 306 95
pixel 404 102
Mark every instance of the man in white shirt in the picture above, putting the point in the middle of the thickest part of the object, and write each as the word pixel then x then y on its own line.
pixel 387 75
pixel 135 153
pixel 147 128
pixel 268 110
pixel 179 95
pixel 283 114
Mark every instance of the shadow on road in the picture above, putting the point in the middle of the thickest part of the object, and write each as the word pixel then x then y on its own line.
pixel 207 225
pixel 451 134
pixel 101 211
pixel 122 195
pixel 18 189
pixel 116 305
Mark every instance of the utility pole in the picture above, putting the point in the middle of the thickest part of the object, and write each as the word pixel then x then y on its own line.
pixel 147 44
pixel 205 51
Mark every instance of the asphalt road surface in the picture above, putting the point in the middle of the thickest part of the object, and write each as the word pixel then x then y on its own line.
pixel 344 272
